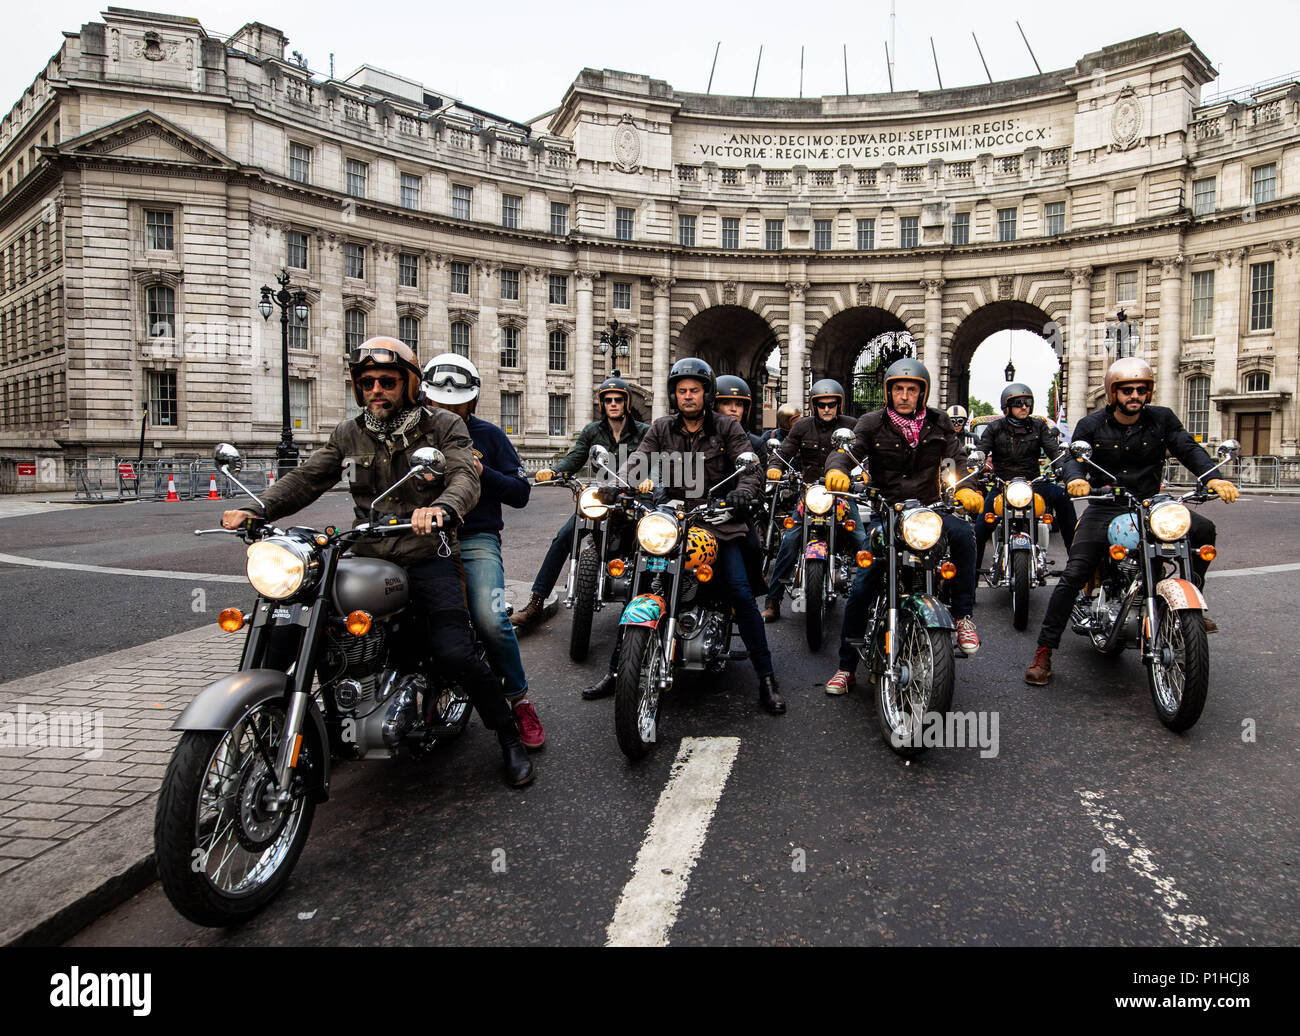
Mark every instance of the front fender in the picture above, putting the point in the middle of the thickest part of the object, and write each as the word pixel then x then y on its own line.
pixel 929 611
pixel 1181 594
pixel 645 610
pixel 1020 541
pixel 816 550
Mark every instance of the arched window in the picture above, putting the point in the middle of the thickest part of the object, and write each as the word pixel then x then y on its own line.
pixel 1257 381
pixel 559 352
pixel 1198 406
pixel 408 330
pixel 160 302
pixel 460 339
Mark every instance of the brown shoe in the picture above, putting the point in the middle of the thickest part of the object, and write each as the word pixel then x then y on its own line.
pixel 772 609
pixel 1041 670
pixel 531 612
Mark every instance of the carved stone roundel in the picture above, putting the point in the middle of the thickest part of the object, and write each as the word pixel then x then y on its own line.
pixel 1126 120
pixel 627 147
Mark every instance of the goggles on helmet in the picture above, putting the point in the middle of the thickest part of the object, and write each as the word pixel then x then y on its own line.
pixel 447 375
pixel 378 356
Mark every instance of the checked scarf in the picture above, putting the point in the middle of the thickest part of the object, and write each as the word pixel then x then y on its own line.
pixel 909 426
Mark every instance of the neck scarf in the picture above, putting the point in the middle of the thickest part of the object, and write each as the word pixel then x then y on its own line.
pixel 909 426
pixel 393 433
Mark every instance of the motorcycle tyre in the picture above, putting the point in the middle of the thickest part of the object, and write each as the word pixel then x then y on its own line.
pixel 942 682
pixel 1020 589
pixel 814 595
pixel 1196 667
pixel 584 602
pixel 640 643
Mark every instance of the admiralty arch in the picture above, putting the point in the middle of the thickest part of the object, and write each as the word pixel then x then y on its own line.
pixel 155 177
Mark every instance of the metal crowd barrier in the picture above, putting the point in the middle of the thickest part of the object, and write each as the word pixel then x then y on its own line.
pixel 1260 472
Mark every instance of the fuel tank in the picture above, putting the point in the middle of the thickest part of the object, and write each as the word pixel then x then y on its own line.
pixel 370 584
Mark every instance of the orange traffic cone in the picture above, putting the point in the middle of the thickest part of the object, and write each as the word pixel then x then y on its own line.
pixel 172 495
pixel 212 488
pixel 270 477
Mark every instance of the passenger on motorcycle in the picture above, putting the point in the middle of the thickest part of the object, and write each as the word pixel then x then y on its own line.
pixel 373 450
pixel 959 418
pixel 702 447
pixel 617 428
pixel 810 439
pixel 786 415
pixel 903 445
pixel 733 398
pixel 1014 444
pixel 452 383
pixel 1129 438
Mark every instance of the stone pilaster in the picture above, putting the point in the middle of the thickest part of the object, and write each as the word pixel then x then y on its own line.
pixel 798 342
pixel 1171 331
pixel 583 283
pixel 1078 342
pixel 933 329
pixel 663 287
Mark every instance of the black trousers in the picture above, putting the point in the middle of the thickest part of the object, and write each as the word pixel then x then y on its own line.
pixel 1089 547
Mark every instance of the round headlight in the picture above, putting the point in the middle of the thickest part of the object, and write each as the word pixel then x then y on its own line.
pixel 922 528
pixel 1170 521
pixel 657 533
pixel 589 504
pixel 1019 493
pixel 277 567
pixel 818 499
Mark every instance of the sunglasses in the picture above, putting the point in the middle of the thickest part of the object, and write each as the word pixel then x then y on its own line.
pixel 386 382
pixel 1131 390
pixel 1017 403
pixel 826 406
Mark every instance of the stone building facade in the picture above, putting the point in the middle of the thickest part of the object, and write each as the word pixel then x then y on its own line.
pixel 155 178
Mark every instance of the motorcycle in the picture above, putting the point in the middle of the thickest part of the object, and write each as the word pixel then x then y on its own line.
pixel 674 623
pixel 1019 541
pixel 253 761
pixel 780 496
pixel 1147 596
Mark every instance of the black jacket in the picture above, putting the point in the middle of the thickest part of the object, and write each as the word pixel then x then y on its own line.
pixel 599 432
pixel 811 440
pixel 1015 451
pixel 898 470
pixel 1135 454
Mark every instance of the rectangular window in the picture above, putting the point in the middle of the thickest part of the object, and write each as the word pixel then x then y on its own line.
pixel 961 228
pixel 462 200
pixel 512 207
pixel 158 230
pixel 559 219
pixel 686 231
pixel 1264 181
pixel 510 413
pixel 163 410
pixel 299 402
pixel 558 354
pixel 622 295
pixel 1198 407
pixel 510 285
pixel 558 289
pixel 1203 192
pixel 356 177
pixel 908 229
pixel 160 302
pixel 866 235
pixel 300 163
pixel 460 278
pixel 1203 302
pixel 1006 224
pixel 1126 205
pixel 1054 218
pixel 730 177
pixel 623 221
pixel 558 409
pixel 299 330
pixel 354 328
pixel 1261 296
pixel 1126 286
pixel 822 235
pixel 774 234
pixel 509 346
pixel 408 330
pixel 354 260
pixel 460 339
pixel 408 270
pixel 730 232
pixel 295 250
pixel 410 191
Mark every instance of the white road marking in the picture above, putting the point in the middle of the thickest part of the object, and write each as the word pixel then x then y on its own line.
pixel 150 573
pixel 20 508
pixel 1188 929
pixel 1257 571
pixel 648 907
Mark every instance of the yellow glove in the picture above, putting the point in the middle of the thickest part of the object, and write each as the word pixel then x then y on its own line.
pixel 837 481
pixel 774 474
pixel 646 485
pixel 1226 490
pixel 545 475
pixel 971 500
pixel 1078 487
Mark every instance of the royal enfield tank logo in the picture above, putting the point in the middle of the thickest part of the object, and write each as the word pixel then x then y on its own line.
pixel 627 146
pixel 1126 120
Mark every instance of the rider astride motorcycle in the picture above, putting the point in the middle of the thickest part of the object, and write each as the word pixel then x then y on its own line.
pixel 786 415
pixel 810 438
pixel 959 418
pixel 374 451
pixel 1014 444
pixel 703 447
pixel 1129 438
pixel 618 428
pixel 734 399
pixel 902 446
pixel 452 383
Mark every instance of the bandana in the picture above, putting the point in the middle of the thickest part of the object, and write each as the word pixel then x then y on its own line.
pixel 909 426
pixel 1018 422
pixel 393 433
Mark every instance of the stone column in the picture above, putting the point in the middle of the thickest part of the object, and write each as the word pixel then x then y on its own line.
pixel 1231 319
pixel 795 361
pixel 535 344
pixel 582 347
pixel 933 344
pixel 1171 331
pixel 485 342
pixel 1078 343
pixel 663 287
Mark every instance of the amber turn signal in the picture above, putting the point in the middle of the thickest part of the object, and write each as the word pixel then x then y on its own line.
pixel 1046 519
pixel 231 620
pixel 865 558
pixel 947 570
pixel 704 573
pixel 1208 553
pixel 616 567
pixel 788 523
pixel 850 525
pixel 1118 552
pixel 990 517
pixel 358 623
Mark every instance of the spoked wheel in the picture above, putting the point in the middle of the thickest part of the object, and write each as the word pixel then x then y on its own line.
pixel 636 691
pixel 584 602
pixel 923 685
pixel 814 595
pixel 222 853
pixel 1179 674
pixel 1020 589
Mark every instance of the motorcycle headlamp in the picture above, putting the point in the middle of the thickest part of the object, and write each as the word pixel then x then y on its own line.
pixel 818 499
pixel 280 567
pixel 922 528
pixel 1170 521
pixel 1019 493
pixel 657 533
pixel 589 504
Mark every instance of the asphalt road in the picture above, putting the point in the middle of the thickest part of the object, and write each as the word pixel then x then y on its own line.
pixel 820 834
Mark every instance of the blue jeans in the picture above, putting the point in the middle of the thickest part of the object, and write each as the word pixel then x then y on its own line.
pixel 485 585
pixel 557 556
pixel 789 552
pixel 1053 494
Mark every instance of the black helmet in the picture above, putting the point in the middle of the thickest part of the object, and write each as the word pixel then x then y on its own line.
pixel 908 369
pixel 732 387
pixel 614 384
pixel 1016 388
pixel 823 389
pixel 690 367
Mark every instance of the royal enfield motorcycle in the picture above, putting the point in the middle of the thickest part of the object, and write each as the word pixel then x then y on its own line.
pixel 334 665
pixel 1147 597
pixel 1021 527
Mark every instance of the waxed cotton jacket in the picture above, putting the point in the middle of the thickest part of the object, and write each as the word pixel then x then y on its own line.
pixel 599 433
pixel 811 440
pixel 899 471
pixel 1015 451
pixel 370 468
pixel 1135 454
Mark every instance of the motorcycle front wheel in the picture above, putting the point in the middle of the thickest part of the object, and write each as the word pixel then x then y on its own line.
pixel 1179 672
pixel 221 855
pixel 636 691
pixel 1020 589
pixel 584 602
pixel 814 596
pixel 923 688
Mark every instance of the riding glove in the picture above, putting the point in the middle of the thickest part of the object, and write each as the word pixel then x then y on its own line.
pixel 1226 490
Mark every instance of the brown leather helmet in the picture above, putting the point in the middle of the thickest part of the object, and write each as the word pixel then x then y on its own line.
pixel 1129 369
pixel 786 415
pixel 381 352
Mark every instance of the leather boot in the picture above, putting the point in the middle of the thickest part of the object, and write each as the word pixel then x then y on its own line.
pixel 518 767
pixel 530 613
pixel 602 688
pixel 1040 670
pixel 769 695
pixel 772 609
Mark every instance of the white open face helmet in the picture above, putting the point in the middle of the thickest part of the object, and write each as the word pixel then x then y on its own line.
pixel 451 379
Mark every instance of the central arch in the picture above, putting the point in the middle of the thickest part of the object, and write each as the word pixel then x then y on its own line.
pixel 984 322
pixel 841 340
pixel 732 340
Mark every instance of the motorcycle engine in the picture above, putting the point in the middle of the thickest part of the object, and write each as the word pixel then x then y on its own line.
pixel 701 642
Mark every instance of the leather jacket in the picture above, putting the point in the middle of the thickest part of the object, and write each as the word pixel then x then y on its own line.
pixel 811 440
pixel 1135 454
pixel 1015 451
pixel 899 471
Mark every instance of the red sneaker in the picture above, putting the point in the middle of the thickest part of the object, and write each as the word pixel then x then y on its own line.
pixel 967 639
pixel 840 682
pixel 530 727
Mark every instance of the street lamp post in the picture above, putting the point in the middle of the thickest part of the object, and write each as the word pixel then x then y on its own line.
pixel 1123 336
pixel 614 338
pixel 286 453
